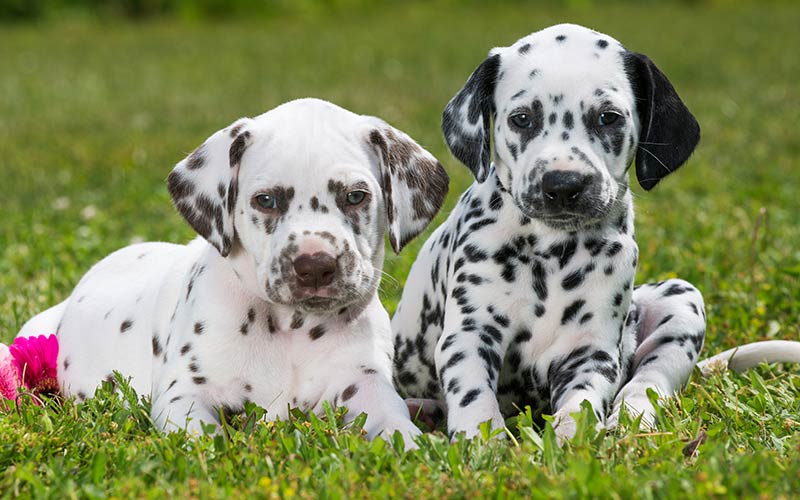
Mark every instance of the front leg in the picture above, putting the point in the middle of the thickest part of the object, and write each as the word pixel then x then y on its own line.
pixel 468 359
pixel 179 406
pixel 590 373
pixel 367 390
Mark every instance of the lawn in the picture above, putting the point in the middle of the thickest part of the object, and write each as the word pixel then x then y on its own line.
pixel 92 118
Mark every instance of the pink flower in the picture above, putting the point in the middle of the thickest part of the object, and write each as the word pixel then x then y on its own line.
pixel 9 377
pixel 35 359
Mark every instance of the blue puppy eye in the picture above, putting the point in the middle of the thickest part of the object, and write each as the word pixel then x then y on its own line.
pixel 521 120
pixel 266 201
pixel 607 118
pixel 356 197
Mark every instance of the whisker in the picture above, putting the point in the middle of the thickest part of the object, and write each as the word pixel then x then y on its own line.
pixel 656 157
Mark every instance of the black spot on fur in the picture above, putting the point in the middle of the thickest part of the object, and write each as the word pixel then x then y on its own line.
pixel 125 326
pixel 571 311
pixel 614 249
pixel 676 289
pixel 469 397
pixel 473 254
pixel 569 121
pixel 664 320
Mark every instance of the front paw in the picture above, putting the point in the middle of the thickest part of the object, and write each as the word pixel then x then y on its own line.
pixel 636 404
pixel 470 422
pixel 564 426
pixel 405 427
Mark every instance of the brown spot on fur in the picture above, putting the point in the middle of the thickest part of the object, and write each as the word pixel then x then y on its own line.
pixel 317 332
pixel 349 392
pixel 178 186
pixel 271 324
pixel 297 320
pixel 156 349
pixel 238 147
pixel 197 159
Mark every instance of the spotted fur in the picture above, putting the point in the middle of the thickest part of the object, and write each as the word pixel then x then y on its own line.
pixel 524 296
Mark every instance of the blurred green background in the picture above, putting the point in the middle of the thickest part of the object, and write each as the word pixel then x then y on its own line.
pixel 98 100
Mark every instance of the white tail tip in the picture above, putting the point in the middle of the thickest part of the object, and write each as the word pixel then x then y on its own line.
pixel 749 355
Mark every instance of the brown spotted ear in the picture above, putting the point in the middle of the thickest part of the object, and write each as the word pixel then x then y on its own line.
pixel 467 118
pixel 414 182
pixel 204 187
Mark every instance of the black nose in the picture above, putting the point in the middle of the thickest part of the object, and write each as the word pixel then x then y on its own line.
pixel 563 188
pixel 315 270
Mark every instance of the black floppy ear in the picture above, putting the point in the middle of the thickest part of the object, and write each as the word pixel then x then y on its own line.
pixel 204 185
pixel 669 133
pixel 414 182
pixel 467 118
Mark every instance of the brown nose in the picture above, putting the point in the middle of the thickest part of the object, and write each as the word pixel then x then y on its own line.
pixel 314 270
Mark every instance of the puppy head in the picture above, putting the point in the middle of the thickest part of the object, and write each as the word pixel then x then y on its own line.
pixel 570 109
pixel 304 193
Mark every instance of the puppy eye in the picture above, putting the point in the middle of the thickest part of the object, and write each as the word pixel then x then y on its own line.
pixel 356 197
pixel 521 120
pixel 607 118
pixel 266 201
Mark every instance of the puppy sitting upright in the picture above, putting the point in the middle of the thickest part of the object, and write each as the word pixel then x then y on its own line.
pixel 521 296
pixel 278 304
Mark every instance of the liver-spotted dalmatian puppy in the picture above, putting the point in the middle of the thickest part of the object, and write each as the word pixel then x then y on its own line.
pixel 524 296
pixel 278 304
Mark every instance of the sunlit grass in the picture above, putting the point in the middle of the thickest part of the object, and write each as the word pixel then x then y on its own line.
pixel 92 118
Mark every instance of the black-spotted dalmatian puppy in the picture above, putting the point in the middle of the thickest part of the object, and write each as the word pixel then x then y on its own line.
pixel 524 296
pixel 277 302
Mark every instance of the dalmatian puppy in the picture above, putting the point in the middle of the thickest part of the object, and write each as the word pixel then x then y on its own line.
pixel 277 302
pixel 525 296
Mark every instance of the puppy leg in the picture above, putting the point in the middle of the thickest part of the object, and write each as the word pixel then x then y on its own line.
pixel 590 373
pixel 179 407
pixel 368 391
pixel 670 322
pixel 468 356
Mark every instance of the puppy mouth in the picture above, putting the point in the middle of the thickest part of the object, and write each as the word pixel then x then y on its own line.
pixel 565 218
pixel 316 303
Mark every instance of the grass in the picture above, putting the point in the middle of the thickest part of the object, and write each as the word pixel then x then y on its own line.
pixel 92 118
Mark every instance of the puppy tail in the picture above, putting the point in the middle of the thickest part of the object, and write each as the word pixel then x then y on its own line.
pixel 749 355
